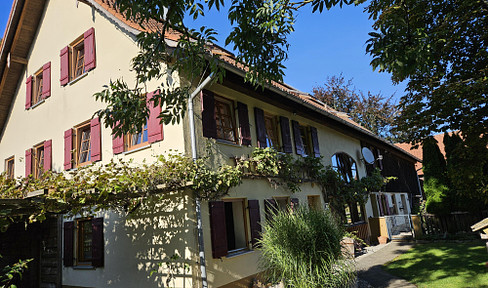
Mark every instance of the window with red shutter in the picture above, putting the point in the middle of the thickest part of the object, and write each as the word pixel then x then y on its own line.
pixel 286 135
pixel 154 127
pixel 68 147
pixel 208 114
pixel 245 130
pixel 28 92
pixel 28 162
pixel 254 221
pixel 78 57
pixel 68 251
pixel 46 80
pixel 95 140
pixel 48 155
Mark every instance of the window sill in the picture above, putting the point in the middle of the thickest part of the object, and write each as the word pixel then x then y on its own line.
pixel 226 142
pixel 136 149
pixel 77 79
pixel 239 253
pixel 37 104
pixel 84 267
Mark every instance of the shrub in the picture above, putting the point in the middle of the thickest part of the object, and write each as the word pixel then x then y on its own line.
pixel 303 250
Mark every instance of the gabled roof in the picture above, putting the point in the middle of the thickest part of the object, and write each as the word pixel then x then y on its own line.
pixel 23 24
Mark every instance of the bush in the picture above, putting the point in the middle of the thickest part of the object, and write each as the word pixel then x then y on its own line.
pixel 303 250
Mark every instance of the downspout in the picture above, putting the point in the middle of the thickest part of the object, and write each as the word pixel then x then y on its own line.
pixel 198 206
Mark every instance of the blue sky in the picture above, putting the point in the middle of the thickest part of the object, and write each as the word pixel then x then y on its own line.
pixel 322 45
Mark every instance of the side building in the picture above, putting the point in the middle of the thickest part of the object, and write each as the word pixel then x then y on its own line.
pixel 56 54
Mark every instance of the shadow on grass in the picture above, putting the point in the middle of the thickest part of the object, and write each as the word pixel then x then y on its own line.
pixel 443 265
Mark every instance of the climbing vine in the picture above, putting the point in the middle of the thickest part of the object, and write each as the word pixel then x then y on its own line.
pixel 124 185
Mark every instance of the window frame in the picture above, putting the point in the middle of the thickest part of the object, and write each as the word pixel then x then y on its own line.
pixel 79 241
pixel 37 87
pixel 219 121
pixel 245 224
pixel 78 130
pixel 313 202
pixel 336 165
pixel 38 160
pixel 77 45
pixel 10 169
pixel 306 140
pixel 273 121
pixel 128 143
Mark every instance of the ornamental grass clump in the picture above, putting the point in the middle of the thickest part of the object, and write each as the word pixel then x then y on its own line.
pixel 302 249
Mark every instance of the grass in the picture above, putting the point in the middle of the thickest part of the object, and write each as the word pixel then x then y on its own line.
pixel 443 265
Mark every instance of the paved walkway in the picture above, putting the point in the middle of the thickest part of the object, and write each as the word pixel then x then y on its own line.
pixel 369 265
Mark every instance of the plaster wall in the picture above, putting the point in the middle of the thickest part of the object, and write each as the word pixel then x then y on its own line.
pixel 70 105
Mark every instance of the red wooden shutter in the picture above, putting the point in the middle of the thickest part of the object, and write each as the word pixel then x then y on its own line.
pixel 208 114
pixel 270 208
pixel 294 204
pixel 97 242
pixel 68 147
pixel 48 155
pixel 69 232
pixel 297 135
pixel 64 72
pixel 260 127
pixel 245 130
pixel 154 127
pixel 28 162
pixel 117 144
pixel 315 141
pixel 387 203
pixel 285 135
pixel 28 92
pixel 89 43
pixel 46 80
pixel 255 221
pixel 95 140
pixel 217 228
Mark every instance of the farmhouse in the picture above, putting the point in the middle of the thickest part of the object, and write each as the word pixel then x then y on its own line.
pixel 55 54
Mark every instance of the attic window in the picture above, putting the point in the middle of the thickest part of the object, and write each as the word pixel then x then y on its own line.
pixel 77 51
pixel 38 87
pixel 37 95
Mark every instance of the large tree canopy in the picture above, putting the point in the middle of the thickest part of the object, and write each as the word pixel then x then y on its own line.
pixel 373 111
pixel 441 48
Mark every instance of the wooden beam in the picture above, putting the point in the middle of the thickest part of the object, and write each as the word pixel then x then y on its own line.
pixel 16 59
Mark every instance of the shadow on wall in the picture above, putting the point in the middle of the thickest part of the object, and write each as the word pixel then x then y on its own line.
pixel 155 244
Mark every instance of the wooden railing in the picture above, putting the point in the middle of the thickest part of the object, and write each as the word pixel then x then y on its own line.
pixel 452 223
pixel 362 231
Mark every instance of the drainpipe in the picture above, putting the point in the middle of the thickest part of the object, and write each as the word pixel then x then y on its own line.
pixel 198 206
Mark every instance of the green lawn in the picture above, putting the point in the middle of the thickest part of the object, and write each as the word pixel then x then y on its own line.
pixel 443 265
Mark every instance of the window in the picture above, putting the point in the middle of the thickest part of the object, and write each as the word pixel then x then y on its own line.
pixel 314 202
pixel 354 213
pixel 38 159
pixel 83 242
pixel 224 118
pixel 345 166
pixel 235 220
pixel 271 132
pixel 10 168
pixel 37 95
pixel 283 203
pixel 306 140
pixel 38 87
pixel 219 119
pixel 38 163
pixel 78 57
pixel 82 144
pixel 151 132
pixel 234 227
pixel 134 141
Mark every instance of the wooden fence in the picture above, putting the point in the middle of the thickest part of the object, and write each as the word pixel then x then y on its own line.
pixel 452 223
pixel 362 231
